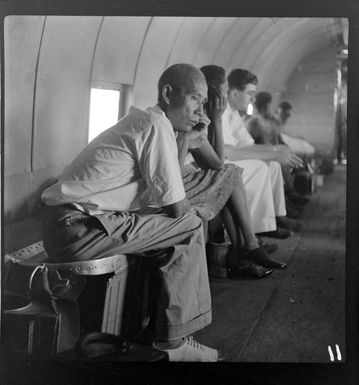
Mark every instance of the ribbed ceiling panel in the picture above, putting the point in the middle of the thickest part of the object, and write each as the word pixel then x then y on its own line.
pixel 154 56
pixel 276 73
pixel 213 40
pixel 232 39
pixel 189 39
pixel 118 48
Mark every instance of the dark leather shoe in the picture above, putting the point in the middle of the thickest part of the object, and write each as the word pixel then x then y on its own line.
pixel 261 258
pixel 292 213
pixel 298 199
pixel 289 203
pixel 269 248
pixel 289 224
pixel 249 270
pixel 280 233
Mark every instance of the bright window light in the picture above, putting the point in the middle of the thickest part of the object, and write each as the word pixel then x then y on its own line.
pixel 104 106
pixel 250 109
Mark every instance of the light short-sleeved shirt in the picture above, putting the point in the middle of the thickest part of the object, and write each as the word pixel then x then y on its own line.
pixel 131 165
pixel 234 130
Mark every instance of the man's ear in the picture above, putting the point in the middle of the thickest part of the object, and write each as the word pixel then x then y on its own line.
pixel 166 93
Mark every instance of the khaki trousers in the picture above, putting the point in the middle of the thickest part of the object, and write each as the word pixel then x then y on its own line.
pixel 265 193
pixel 184 304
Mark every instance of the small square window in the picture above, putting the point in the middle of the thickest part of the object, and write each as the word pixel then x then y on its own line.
pixel 104 110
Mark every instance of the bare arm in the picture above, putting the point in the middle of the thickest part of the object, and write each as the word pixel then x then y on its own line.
pixel 184 142
pixel 280 139
pixel 266 152
pixel 206 157
pixel 216 107
pixel 255 151
pixel 211 154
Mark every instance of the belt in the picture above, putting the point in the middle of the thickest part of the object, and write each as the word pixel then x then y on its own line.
pixel 66 215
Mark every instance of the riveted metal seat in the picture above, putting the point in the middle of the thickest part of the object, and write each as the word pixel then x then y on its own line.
pixel 35 255
pixel 66 283
pixel 110 289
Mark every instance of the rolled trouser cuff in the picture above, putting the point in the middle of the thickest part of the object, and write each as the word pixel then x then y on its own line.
pixel 169 332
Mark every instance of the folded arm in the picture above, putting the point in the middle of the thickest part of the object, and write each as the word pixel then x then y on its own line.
pixel 265 152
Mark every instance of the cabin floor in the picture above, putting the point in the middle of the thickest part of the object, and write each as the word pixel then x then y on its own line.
pixel 296 313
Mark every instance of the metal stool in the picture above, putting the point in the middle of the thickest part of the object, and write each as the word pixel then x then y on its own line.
pixel 58 296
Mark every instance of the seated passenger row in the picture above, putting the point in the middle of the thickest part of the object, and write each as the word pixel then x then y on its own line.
pixel 132 190
pixel 267 128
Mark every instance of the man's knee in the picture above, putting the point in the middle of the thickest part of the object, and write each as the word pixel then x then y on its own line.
pixel 275 166
pixel 259 166
pixel 192 221
pixel 275 171
pixel 260 169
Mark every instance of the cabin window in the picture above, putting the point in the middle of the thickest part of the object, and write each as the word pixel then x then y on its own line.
pixel 104 110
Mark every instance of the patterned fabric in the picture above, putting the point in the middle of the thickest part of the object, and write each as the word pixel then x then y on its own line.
pixel 209 190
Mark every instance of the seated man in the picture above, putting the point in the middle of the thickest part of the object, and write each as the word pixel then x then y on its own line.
pixel 301 147
pixel 124 194
pixel 213 187
pixel 263 181
pixel 262 125
pixel 264 129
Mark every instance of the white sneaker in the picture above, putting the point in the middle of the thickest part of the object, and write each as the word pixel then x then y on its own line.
pixel 191 351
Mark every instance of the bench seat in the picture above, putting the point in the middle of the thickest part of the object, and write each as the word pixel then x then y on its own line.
pixel 25 238
pixel 35 255
pixel 118 300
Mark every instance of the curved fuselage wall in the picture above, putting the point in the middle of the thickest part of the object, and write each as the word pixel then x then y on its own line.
pixel 311 91
pixel 51 62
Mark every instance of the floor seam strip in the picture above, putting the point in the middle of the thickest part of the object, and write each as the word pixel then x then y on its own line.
pixel 266 302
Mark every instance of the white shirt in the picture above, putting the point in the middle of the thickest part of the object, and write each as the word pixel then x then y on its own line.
pixel 131 165
pixel 234 130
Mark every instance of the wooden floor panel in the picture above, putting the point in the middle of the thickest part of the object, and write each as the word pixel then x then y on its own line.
pixel 295 314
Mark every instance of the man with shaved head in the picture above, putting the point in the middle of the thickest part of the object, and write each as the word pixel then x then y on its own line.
pixel 123 194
